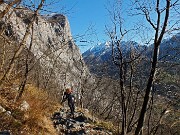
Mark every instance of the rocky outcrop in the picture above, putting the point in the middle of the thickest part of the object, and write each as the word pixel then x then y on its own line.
pixel 53 47
pixel 79 125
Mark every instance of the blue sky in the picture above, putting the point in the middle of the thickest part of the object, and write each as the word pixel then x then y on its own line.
pixel 87 20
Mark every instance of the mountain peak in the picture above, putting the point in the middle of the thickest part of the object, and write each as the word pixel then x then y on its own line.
pixel 107 43
pixel 106 47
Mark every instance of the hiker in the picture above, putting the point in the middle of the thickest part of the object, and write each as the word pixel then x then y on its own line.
pixel 71 100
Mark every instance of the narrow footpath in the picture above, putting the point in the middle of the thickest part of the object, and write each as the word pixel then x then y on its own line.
pixel 65 124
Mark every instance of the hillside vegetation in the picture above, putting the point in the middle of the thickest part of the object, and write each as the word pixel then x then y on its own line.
pixel 130 89
pixel 30 115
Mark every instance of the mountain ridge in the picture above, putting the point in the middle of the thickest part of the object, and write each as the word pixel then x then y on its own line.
pixel 168 66
pixel 168 47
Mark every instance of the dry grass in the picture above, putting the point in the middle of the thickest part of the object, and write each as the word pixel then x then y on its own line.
pixel 41 108
pixel 35 120
pixel 107 125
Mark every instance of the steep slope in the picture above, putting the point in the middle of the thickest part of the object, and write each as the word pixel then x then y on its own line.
pixel 60 62
pixel 48 63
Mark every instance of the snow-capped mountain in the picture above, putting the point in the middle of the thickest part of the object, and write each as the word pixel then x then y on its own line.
pixel 104 48
pixel 170 49
pixel 99 57
pixel 99 48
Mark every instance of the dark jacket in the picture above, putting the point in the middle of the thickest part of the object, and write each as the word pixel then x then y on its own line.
pixel 71 100
pixel 68 96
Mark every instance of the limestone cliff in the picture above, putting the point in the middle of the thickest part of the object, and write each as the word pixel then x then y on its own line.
pixel 52 46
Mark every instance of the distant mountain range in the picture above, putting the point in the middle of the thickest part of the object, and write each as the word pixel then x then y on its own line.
pixel 170 49
pixel 100 62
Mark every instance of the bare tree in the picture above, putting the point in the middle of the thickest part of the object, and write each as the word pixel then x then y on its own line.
pixel 159 27
pixel 8 7
pixel 126 67
pixel 21 46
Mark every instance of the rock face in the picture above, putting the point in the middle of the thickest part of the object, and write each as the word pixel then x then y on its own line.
pixel 52 46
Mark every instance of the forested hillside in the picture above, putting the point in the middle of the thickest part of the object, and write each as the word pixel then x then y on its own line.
pixel 100 62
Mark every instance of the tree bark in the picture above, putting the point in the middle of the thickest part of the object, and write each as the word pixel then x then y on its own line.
pixel 8 7
pixel 157 42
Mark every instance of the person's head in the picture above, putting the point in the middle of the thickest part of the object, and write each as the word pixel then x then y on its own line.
pixel 68 90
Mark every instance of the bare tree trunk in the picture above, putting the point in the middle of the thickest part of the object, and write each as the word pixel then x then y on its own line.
pixel 23 84
pixel 148 89
pixel 6 10
pixel 21 46
pixel 157 42
pixel 3 56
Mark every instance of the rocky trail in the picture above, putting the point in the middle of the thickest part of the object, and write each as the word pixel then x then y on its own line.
pixel 79 125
